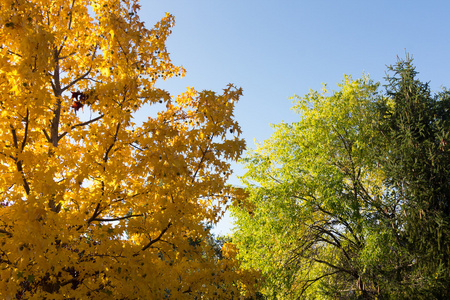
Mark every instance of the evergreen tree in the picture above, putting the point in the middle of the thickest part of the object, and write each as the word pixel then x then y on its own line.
pixel 417 167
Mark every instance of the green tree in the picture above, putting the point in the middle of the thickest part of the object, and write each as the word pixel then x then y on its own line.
pixel 417 167
pixel 314 189
pixel 352 200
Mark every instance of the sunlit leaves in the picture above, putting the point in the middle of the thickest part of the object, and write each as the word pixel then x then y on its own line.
pixel 311 186
pixel 96 204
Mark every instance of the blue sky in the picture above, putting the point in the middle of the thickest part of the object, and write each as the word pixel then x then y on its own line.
pixel 276 49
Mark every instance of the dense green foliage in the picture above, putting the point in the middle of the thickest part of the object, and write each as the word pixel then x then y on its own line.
pixel 418 168
pixel 352 200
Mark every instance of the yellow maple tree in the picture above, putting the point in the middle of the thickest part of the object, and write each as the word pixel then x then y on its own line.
pixel 94 204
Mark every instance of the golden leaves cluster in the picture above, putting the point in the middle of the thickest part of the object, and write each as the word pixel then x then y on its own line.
pixel 96 204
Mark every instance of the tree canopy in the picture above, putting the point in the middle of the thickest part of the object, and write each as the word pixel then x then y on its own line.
pixel 95 204
pixel 352 201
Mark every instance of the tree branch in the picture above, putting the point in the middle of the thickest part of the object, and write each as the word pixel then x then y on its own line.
pixel 19 162
pixel 343 222
pixel 26 131
pixel 96 213
pixel 6 232
pixel 11 52
pixel 154 240
pixel 76 80
pixel 81 124
pixel 117 219
pixel 200 163
pixel 335 267
pixel 69 27
pixel 105 159
pixel 82 76
pixel 46 135
pixel 310 282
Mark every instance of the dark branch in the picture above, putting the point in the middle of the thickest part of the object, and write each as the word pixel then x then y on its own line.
pixel 336 267
pixel 96 213
pixel 310 282
pixel 136 147
pixel 155 240
pixel 26 131
pixel 200 163
pixel 6 232
pixel 117 219
pixel 84 76
pixel 46 135
pixel 76 80
pixel 19 162
pixel 105 159
pixel 13 132
pixel 81 124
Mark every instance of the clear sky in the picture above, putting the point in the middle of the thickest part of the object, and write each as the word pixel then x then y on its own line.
pixel 276 49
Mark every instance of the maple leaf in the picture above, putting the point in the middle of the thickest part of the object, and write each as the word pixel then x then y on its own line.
pixel 101 207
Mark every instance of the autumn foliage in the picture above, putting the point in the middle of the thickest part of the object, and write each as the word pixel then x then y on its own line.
pixel 94 203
